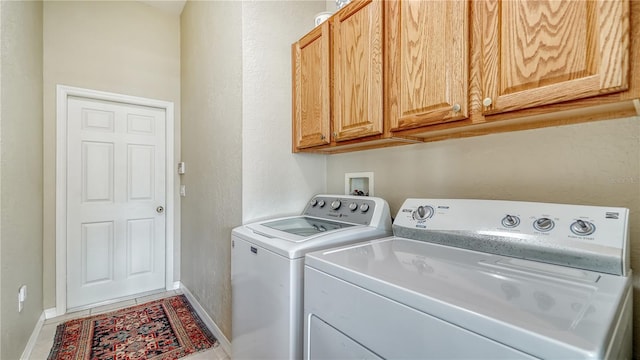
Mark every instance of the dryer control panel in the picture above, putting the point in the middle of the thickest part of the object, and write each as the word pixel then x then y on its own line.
pixel 587 237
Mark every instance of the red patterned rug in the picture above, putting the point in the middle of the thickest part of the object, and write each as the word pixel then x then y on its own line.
pixel 164 329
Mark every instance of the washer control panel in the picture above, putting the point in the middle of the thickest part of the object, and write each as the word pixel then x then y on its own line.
pixel 564 231
pixel 354 209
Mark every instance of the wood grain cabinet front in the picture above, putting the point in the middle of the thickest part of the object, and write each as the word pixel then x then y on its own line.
pixel 540 52
pixel 311 89
pixel 427 62
pixel 358 70
pixel 390 72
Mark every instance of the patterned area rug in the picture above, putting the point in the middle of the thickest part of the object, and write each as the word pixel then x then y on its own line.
pixel 158 330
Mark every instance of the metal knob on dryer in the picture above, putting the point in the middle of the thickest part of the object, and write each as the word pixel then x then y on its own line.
pixel 423 212
pixel 510 221
pixel 543 224
pixel 335 204
pixel 582 228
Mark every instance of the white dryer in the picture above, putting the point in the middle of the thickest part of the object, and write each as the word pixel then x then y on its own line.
pixel 476 279
pixel 267 267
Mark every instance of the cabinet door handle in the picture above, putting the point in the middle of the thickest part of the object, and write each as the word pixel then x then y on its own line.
pixel 456 107
pixel 487 102
pixel 321 137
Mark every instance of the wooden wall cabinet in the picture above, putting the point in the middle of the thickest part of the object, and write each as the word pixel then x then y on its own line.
pixel 402 71
pixel 357 70
pixel 537 53
pixel 427 62
pixel 311 89
pixel 338 78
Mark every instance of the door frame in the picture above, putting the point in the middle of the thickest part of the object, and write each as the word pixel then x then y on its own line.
pixel 63 92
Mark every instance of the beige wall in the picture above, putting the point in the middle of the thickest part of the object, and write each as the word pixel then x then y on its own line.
pixel 212 149
pixel 123 47
pixel 275 182
pixel 236 100
pixel 21 176
pixel 593 164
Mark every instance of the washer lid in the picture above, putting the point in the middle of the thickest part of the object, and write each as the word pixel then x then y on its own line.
pixel 304 226
pixel 293 237
pixel 542 309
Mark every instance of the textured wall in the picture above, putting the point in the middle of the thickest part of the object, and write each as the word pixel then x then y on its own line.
pixel 274 181
pixel 124 47
pixel 236 99
pixel 212 149
pixel 21 176
pixel 592 164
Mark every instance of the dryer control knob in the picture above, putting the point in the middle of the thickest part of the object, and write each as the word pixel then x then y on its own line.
pixel 510 221
pixel 582 228
pixel 314 202
pixel 321 203
pixel 423 212
pixel 364 208
pixel 335 205
pixel 353 206
pixel 543 224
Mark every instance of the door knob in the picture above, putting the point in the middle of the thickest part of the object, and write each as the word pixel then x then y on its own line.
pixel 159 209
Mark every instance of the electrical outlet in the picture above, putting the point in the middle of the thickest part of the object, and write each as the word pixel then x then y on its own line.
pixel 22 297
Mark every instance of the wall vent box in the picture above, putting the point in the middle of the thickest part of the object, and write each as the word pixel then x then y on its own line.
pixel 358 183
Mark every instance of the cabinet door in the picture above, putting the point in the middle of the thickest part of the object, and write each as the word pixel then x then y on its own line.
pixel 543 52
pixel 358 70
pixel 427 62
pixel 311 89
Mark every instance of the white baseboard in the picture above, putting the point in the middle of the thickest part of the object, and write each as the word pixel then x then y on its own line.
pixel 224 342
pixel 26 354
pixel 50 313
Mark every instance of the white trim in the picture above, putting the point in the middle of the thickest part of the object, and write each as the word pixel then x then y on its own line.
pixel 224 342
pixel 50 313
pixel 26 353
pixel 62 93
pixel 176 285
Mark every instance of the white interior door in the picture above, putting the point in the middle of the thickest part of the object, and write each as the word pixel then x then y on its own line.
pixel 116 192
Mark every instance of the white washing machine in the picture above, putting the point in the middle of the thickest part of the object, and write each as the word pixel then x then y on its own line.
pixel 267 267
pixel 476 279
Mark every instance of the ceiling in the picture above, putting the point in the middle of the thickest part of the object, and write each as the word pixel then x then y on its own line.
pixel 170 6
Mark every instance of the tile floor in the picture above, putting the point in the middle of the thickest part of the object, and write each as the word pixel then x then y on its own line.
pixel 45 338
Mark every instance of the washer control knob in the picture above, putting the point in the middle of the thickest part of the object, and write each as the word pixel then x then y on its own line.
pixel 335 205
pixel 314 202
pixel 364 208
pixel 321 203
pixel 543 224
pixel 353 206
pixel 510 221
pixel 423 212
pixel 582 228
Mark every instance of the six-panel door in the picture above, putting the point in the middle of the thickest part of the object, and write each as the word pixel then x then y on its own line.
pixel 115 200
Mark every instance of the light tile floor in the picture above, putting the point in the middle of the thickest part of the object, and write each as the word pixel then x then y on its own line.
pixel 45 337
